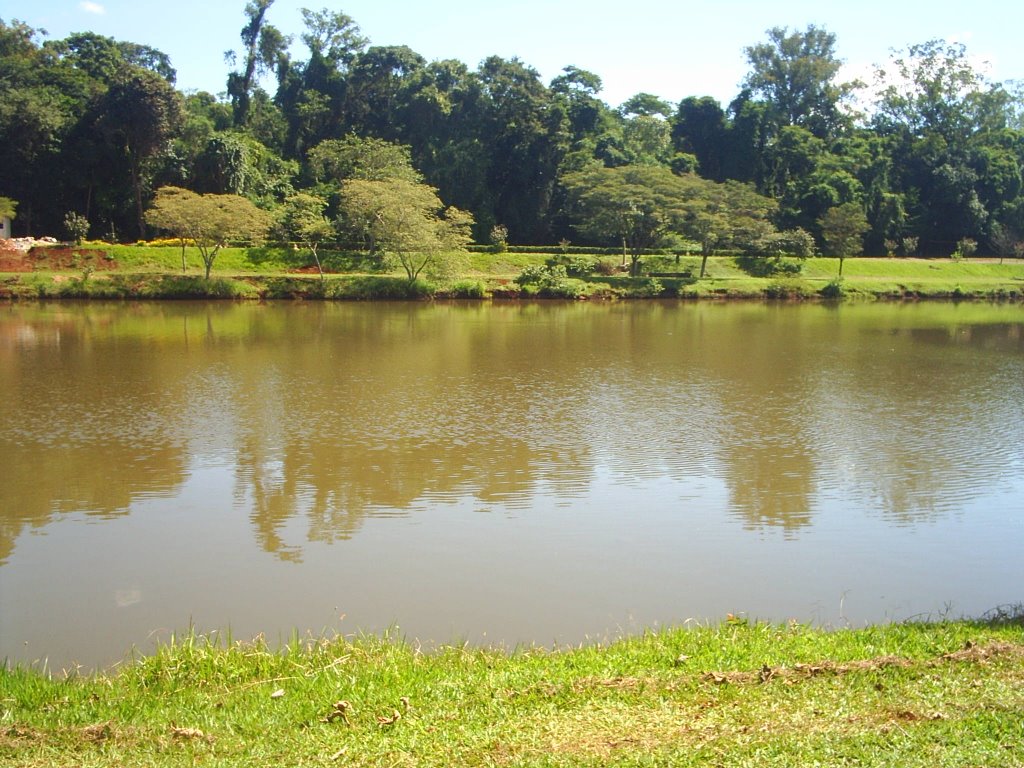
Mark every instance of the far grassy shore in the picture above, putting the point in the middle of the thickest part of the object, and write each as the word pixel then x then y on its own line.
pixel 735 694
pixel 154 271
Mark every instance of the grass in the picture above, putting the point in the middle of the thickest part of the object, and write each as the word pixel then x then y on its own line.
pixel 154 271
pixel 735 694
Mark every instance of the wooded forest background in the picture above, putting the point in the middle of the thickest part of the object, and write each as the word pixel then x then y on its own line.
pixel 930 153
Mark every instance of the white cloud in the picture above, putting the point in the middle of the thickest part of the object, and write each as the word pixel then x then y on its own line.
pixel 90 7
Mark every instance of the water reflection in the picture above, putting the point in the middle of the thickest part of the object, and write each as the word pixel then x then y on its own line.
pixel 644 432
pixel 335 413
pixel 72 440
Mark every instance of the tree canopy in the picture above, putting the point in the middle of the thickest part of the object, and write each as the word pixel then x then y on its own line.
pixel 406 221
pixel 207 221
pixel 933 154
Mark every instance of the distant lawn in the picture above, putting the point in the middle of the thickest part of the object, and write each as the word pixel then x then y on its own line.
pixel 275 272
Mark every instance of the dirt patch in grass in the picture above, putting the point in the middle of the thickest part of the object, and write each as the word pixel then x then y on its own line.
pixel 971 653
pixel 55 258
pixel 624 715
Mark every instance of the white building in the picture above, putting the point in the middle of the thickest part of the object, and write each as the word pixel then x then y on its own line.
pixel 5 228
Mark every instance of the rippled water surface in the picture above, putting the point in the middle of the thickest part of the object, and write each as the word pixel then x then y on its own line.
pixel 511 473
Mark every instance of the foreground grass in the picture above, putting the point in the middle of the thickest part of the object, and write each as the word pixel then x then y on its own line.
pixel 734 694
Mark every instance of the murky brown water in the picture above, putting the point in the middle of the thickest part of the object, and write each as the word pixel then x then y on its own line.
pixel 512 473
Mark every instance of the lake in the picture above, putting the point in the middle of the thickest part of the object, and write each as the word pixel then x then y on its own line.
pixel 538 473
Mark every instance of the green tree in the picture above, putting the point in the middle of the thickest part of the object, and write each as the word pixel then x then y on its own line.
pixel 406 221
pixel 265 50
pixel 379 86
pixel 333 35
pixel 138 115
pixel 76 226
pixel 1006 243
pixel 302 218
pixel 728 216
pixel 643 206
pixel 8 208
pixel 35 114
pixel 700 128
pixel 521 130
pixel 645 105
pixel 934 87
pixel 637 205
pixel 843 229
pixel 355 157
pixel 795 73
pixel 208 221
pixel 237 164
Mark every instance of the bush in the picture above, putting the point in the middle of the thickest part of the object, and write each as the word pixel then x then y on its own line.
pixel 366 288
pixel 499 238
pixel 834 289
pixel 786 289
pixel 607 267
pixel 588 250
pixel 551 282
pixel 650 287
pixel 965 248
pixel 769 266
pixel 575 266
pixel 76 226
pixel 469 289
pixel 196 287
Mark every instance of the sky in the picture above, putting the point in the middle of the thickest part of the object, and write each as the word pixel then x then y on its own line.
pixel 671 48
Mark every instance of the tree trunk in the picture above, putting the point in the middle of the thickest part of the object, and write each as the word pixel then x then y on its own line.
pixel 140 219
pixel 316 258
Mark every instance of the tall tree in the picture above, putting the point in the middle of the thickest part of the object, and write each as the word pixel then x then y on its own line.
pixel 795 73
pixel 137 117
pixel 264 50
pixel 379 87
pixel 934 87
pixel 523 132
pixel 938 111
pixel 700 128
pixel 313 95
pixel 333 35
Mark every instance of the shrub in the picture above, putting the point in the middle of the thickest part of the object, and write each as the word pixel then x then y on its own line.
pixel 76 226
pixel 196 287
pixel 551 282
pixel 834 289
pixel 575 266
pixel 373 287
pixel 786 289
pixel 532 275
pixel 965 248
pixel 769 266
pixel 499 238
pixel 469 289
pixel 650 287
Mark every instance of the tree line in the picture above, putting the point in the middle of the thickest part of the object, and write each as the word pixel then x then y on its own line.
pixel 341 144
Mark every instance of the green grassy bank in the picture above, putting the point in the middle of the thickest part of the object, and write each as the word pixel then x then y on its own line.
pixel 735 694
pixel 153 272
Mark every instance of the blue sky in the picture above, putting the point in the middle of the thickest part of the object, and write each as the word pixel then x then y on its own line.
pixel 672 49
